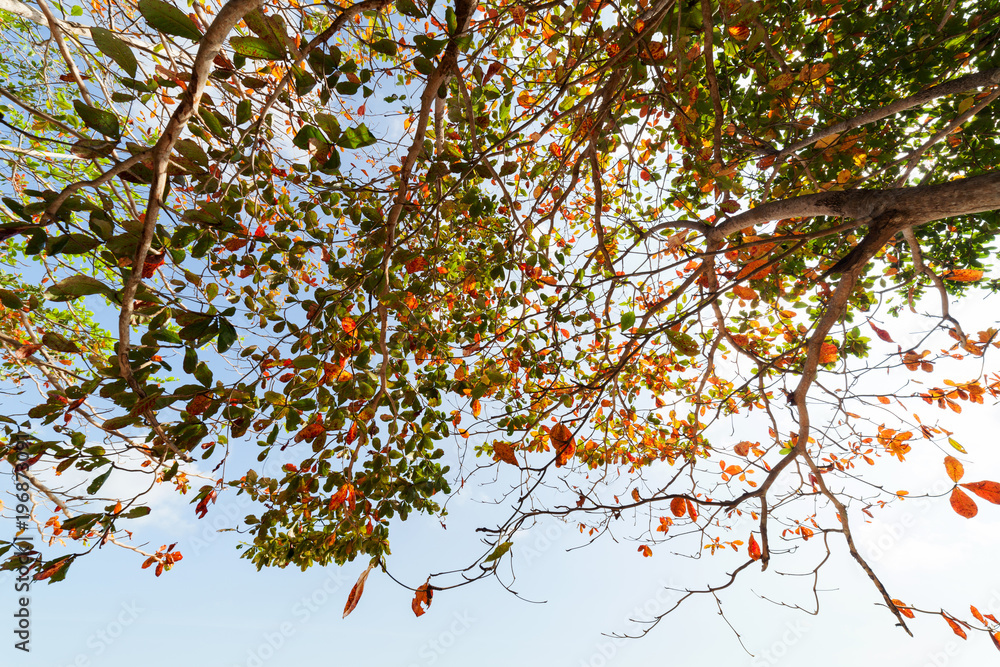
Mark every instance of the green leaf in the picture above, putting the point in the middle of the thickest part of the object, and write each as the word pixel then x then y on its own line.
pixel 59 343
pixel 356 137
pixel 227 335
pixel 137 512
pixel 166 18
pixel 76 286
pixel 954 443
pixel 302 137
pixel 114 48
pixel 98 120
pixel 255 47
pixel 96 485
pixel 73 244
pixel 628 320
pixel 10 300
pixel 684 343
pixel 116 423
pixel 501 549
pixel 385 46
pixel 212 122
pixel 243 112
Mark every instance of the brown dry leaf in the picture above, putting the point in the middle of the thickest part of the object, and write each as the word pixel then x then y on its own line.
pixel 963 504
pixel 505 452
pixel 743 448
pixel 564 442
pixel 422 600
pixel 359 588
pixel 26 351
pixel 954 468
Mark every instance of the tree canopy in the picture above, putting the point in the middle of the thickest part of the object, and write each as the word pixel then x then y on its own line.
pixel 565 251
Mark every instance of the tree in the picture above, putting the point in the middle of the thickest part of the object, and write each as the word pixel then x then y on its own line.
pixel 572 242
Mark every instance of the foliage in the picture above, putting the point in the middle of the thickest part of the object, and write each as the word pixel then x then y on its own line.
pixel 571 242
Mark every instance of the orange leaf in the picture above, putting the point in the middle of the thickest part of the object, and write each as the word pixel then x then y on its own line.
pixel 986 490
pixel 745 292
pixel 311 431
pixel 635 495
pixel 901 606
pixel 828 353
pixel 740 33
pixel 955 627
pixel 564 442
pixel 478 408
pixel 359 588
pixel 954 468
pixel 645 550
pixel 975 612
pixel 692 510
pixel 422 600
pixel 340 497
pixel 754 548
pixel 505 452
pixel 677 507
pixel 416 265
pixel 883 400
pixel 963 504
pixel 996 639
pixel 964 275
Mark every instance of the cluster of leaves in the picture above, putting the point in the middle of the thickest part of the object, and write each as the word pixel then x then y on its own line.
pixel 372 238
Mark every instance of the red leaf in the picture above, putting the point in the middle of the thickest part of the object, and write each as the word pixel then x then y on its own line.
pixel 153 261
pixel 356 591
pixel 692 510
pixel 881 333
pixel 754 548
pixel 963 504
pixel 955 627
pixel 645 551
pixel 954 468
pixel 986 490
pixel 422 600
